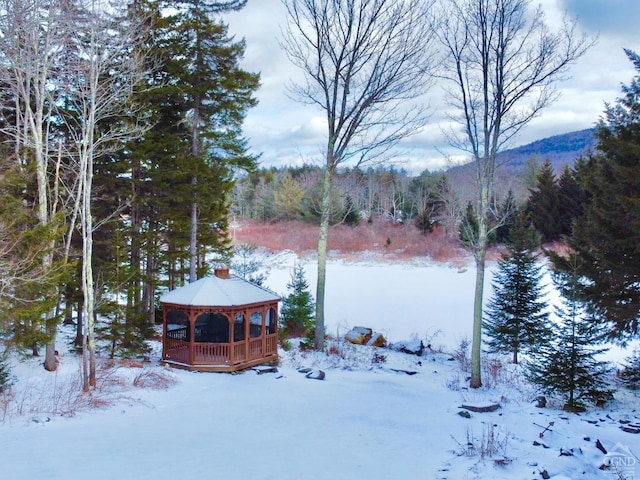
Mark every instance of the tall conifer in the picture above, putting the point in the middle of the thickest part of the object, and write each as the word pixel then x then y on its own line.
pixel 544 204
pixel 606 237
pixel 516 319
pixel 567 365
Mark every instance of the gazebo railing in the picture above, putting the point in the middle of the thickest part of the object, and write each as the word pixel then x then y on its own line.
pixel 176 350
pixel 220 353
pixel 239 352
pixel 271 344
pixel 211 353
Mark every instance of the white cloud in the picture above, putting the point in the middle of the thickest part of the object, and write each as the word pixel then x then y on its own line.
pixel 291 133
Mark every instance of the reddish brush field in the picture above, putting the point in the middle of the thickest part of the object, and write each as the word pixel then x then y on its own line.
pixel 380 236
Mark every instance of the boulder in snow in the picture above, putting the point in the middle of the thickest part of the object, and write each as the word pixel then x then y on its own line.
pixel 359 335
pixel 315 374
pixel 377 340
pixel 413 347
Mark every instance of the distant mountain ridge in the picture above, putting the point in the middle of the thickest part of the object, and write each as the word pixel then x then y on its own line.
pixel 560 150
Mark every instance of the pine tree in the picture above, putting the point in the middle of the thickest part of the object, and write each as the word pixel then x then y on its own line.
pixel 544 204
pixel 183 169
pixel 516 319
pixel 630 375
pixel 6 380
pixel 606 236
pixel 507 214
pixel 567 364
pixel 572 197
pixel 298 310
pixel 247 265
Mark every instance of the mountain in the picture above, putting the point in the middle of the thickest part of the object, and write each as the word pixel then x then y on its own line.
pixel 560 150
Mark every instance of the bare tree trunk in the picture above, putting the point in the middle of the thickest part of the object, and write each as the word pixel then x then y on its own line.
pixel 193 241
pixel 476 368
pixel 323 236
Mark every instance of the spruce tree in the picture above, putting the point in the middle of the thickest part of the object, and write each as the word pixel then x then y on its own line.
pixel 630 375
pixel 516 319
pixel 567 365
pixel 298 309
pixel 183 170
pixel 606 236
pixel 572 197
pixel 544 204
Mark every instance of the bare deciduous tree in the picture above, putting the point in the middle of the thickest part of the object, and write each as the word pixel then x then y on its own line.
pixel 31 39
pixel 502 62
pixel 365 63
pixel 105 65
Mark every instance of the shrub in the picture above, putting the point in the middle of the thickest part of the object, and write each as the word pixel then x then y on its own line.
pixel 491 443
pixel 297 315
pixel 6 380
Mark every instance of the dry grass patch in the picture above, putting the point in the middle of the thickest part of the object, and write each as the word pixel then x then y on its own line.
pixel 379 236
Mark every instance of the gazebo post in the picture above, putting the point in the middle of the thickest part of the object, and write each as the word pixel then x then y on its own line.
pixel 192 336
pixel 232 336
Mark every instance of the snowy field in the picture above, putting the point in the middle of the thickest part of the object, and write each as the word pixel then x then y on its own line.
pixel 379 414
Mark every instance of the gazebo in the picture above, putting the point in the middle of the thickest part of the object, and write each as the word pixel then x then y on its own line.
pixel 220 323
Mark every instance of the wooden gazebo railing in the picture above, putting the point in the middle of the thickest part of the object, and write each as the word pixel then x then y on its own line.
pixel 184 352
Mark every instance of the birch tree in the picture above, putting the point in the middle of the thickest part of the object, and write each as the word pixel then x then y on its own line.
pixel 31 37
pixel 365 65
pixel 502 62
pixel 106 64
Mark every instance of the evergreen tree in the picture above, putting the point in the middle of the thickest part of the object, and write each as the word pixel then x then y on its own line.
pixel 468 230
pixel 247 265
pixel 298 310
pixel 183 169
pixel 572 197
pixel 515 319
pixel 507 214
pixel 606 236
pixel 6 380
pixel 630 375
pixel 543 204
pixel 567 364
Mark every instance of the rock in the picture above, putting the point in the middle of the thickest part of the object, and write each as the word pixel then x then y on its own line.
pixel 377 340
pixel 265 369
pixel 315 375
pixel 482 408
pixel 630 429
pixel 359 335
pixel 464 414
pixel 415 347
pixel 542 401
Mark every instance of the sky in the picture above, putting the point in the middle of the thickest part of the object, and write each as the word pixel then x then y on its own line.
pixel 285 132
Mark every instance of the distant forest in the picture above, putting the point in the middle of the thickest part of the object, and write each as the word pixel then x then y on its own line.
pixel 428 199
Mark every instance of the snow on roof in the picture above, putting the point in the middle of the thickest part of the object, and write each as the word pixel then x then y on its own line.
pixel 219 292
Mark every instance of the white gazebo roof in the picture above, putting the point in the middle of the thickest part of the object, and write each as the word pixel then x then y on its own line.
pixel 214 291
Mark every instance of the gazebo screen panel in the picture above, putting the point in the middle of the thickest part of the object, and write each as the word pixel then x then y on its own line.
pixel 271 321
pixel 238 328
pixel 212 328
pixel 178 325
pixel 255 325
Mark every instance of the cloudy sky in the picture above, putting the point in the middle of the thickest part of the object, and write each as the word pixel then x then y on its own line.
pixel 289 133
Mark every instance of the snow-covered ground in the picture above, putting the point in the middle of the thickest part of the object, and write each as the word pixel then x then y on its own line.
pixel 369 418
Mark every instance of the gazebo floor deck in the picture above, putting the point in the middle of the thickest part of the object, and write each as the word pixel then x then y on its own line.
pixel 271 359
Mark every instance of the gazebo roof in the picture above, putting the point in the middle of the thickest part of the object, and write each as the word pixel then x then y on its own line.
pixel 219 291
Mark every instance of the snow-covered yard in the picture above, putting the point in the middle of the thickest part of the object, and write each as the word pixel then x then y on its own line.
pixel 378 414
